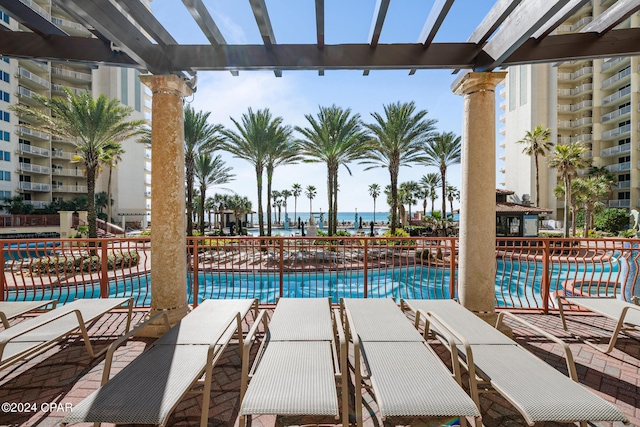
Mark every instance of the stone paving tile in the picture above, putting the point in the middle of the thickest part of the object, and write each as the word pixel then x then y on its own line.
pixel 64 375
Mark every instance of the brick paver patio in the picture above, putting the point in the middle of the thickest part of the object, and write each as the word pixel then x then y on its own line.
pixel 62 376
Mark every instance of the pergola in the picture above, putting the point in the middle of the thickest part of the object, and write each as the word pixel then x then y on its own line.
pixel 513 32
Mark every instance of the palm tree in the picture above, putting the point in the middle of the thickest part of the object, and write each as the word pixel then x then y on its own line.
pixel 110 157
pixel 276 204
pixel 409 191
pixel 538 143
pixel 399 138
pixel 589 191
pixel 374 192
pixel 567 160
pixel 253 142
pixel 209 205
pixel 336 138
pixel 443 151
pixel 102 200
pixel 452 194
pixel 16 206
pixel 430 182
pixel 310 192
pixel 209 171
pixel 285 195
pixel 296 191
pixel 90 124
pixel 281 151
pixel 220 202
pixel 240 206
pixel 200 137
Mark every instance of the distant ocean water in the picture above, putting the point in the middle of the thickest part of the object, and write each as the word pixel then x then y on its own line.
pixel 342 216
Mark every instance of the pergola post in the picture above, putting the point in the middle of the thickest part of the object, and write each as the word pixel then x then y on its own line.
pixel 168 250
pixel 476 273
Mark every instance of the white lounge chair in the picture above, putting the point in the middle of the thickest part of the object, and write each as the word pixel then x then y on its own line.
pixel 11 309
pixel 408 378
pixel 497 363
pixel 625 314
pixel 148 389
pixel 39 333
pixel 297 366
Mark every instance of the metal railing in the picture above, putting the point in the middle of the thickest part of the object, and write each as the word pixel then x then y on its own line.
pixel 529 272
pixel 618 149
pixel 30 167
pixel 620 75
pixel 34 186
pixel 611 62
pixel 34 78
pixel 617 113
pixel 25 148
pixel 78 75
pixel 580 105
pixel 620 130
pixel 34 133
pixel 617 95
pixel 618 167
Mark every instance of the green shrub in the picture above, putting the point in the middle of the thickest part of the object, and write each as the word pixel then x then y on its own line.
pixel 612 220
pixel 628 233
pixel 84 263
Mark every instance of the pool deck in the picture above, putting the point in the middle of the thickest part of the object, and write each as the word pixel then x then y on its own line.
pixel 65 375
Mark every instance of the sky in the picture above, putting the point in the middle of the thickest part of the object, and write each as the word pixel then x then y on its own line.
pixel 301 92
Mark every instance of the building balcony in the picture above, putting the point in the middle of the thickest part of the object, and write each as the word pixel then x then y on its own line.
pixel 585 121
pixel 581 89
pixel 623 185
pixel 69 25
pixel 68 172
pixel 619 167
pixel 588 103
pixel 30 167
pixel 614 133
pixel 615 151
pixel 27 96
pixel 58 88
pixel 564 124
pixel 585 137
pixel 34 186
pixel 621 75
pixel 617 95
pixel 617 113
pixel 31 79
pixel 620 203
pixel 23 131
pixel 33 65
pixel 612 62
pixel 69 188
pixel 564 108
pixel 36 204
pixel 70 75
pixel 29 149
pixel 59 154
pixel 564 92
pixel 36 8
pixel 574 27
pixel 564 140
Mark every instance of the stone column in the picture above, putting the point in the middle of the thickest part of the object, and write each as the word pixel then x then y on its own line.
pixel 168 236
pixel 476 274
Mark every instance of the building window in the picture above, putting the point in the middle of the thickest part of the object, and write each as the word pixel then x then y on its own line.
pixel 4 96
pixel 6 194
pixel 5 76
pixel 5 155
pixel 124 86
pixel 137 91
pixel 6 136
pixel 6 116
pixel 512 88
pixel 4 17
pixel 523 84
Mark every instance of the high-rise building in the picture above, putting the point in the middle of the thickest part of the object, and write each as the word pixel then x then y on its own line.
pixel 595 102
pixel 42 169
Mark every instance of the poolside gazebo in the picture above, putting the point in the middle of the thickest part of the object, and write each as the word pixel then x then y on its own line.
pixel 513 32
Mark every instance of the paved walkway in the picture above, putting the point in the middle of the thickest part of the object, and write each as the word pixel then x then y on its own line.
pixel 50 383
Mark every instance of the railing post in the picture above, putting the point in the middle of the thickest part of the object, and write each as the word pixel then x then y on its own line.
pixel 196 267
pixel 281 267
pixel 545 285
pixel 104 269
pixel 2 276
pixel 452 268
pixel 366 267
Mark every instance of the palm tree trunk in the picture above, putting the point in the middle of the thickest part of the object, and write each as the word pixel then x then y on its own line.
pixel 91 202
pixel 443 175
pixel 109 195
pixel 203 190
pixel 537 182
pixel 587 213
pixel 269 176
pixel 393 172
pixel 567 199
pixel 374 210
pixel 260 218
pixel 330 197
pixel 295 209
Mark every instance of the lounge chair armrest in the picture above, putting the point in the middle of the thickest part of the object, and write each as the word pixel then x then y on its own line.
pixel 235 318
pixel 636 300
pixel 450 334
pixel 248 342
pixel 342 341
pixel 38 325
pixel 571 367
pixel 117 343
